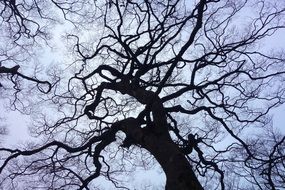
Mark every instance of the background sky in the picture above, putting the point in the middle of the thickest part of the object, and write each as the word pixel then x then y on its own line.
pixel 18 123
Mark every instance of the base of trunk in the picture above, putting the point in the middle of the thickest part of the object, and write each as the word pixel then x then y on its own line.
pixel 178 171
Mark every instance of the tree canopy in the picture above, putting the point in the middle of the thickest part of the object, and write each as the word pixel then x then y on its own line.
pixel 115 85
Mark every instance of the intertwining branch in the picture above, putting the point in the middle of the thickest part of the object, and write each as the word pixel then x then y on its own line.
pixel 191 84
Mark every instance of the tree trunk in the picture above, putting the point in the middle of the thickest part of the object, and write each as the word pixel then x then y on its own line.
pixel 178 171
pixel 156 139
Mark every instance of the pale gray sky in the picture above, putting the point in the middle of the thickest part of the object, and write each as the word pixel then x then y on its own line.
pixel 18 124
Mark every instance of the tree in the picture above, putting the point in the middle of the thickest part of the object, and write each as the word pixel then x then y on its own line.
pixel 189 83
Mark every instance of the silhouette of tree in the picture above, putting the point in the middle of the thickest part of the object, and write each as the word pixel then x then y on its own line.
pixel 188 84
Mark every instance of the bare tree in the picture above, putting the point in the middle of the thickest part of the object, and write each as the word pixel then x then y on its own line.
pixel 188 84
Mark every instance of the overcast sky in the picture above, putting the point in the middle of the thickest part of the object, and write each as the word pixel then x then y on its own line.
pixel 17 123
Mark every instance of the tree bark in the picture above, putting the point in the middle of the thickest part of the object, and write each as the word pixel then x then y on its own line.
pixel 178 171
pixel 156 139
